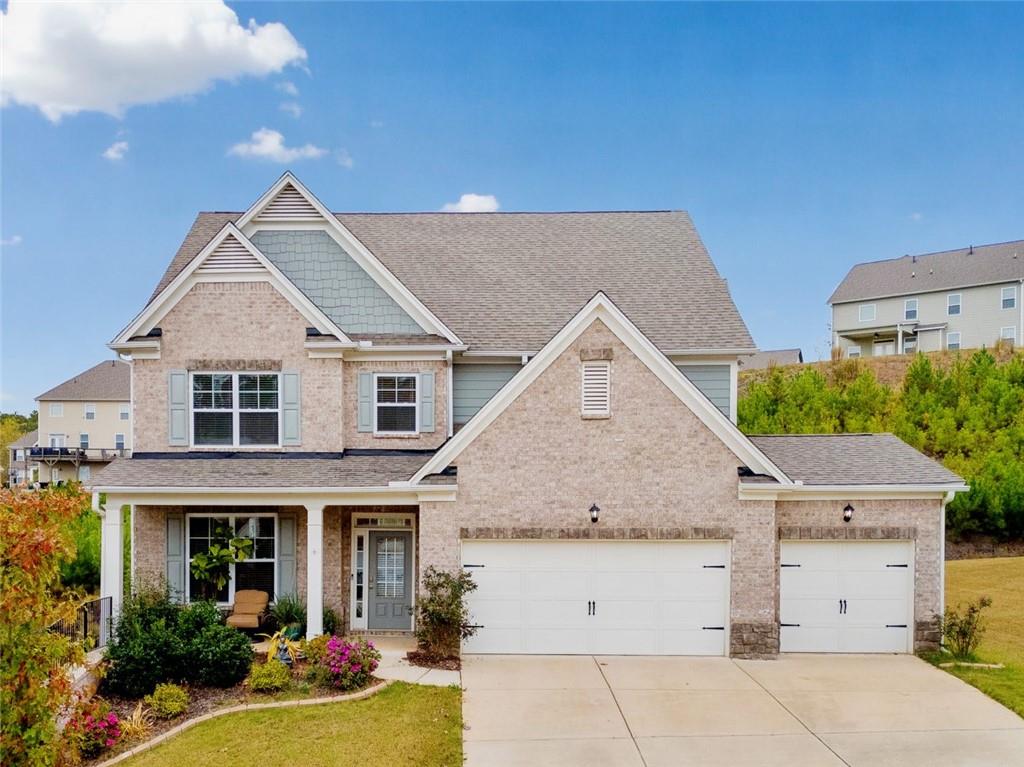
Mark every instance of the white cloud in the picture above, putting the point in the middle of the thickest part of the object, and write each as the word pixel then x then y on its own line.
pixel 90 55
pixel 473 203
pixel 116 150
pixel 291 108
pixel 344 159
pixel 376 123
pixel 288 88
pixel 917 216
pixel 10 242
pixel 267 144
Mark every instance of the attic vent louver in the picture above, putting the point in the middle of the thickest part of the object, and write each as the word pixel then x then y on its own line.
pixel 288 205
pixel 596 389
pixel 229 256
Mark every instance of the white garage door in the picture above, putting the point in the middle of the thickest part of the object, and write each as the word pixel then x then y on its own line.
pixel 599 597
pixel 854 596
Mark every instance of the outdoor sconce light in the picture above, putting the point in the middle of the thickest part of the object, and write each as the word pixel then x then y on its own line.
pixel 847 513
pixel 594 511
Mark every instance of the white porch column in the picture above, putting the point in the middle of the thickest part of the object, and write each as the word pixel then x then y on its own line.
pixel 111 560
pixel 314 570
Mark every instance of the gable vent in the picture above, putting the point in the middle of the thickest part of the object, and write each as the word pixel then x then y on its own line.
pixel 288 205
pixel 596 399
pixel 229 256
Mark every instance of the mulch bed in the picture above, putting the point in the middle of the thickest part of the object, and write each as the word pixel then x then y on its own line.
pixel 426 660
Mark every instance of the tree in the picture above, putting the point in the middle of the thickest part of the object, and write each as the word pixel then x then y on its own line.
pixel 212 568
pixel 12 426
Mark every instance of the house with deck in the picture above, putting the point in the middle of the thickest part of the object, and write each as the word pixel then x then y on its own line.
pixel 546 400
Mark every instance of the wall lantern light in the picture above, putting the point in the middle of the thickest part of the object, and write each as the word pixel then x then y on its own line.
pixel 595 510
pixel 847 513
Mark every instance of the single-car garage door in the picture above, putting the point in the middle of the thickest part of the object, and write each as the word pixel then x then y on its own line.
pixel 599 597
pixel 851 596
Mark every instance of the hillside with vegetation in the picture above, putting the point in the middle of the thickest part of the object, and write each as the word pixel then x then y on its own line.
pixel 965 410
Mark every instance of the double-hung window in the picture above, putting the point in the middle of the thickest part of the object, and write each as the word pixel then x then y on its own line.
pixel 866 313
pixel 910 309
pixel 83 441
pixel 90 411
pixel 1008 297
pixel 258 571
pixel 1009 333
pixel 953 304
pixel 953 341
pixel 236 409
pixel 56 409
pixel 123 412
pixel 119 441
pixel 395 404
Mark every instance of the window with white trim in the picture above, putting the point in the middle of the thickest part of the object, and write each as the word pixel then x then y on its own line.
pixel 124 411
pixel 236 409
pixel 395 403
pixel 1009 333
pixel 84 472
pixel 910 309
pixel 953 341
pixel 258 571
pixel 56 440
pixel 119 441
pixel 83 441
pixel 866 313
pixel 852 351
pixel 595 388
pixel 1008 298
pixel 90 411
pixel 56 410
pixel 910 344
pixel 953 304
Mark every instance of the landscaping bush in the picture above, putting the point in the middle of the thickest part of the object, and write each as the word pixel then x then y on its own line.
pixel 348 665
pixel 220 656
pixel 330 621
pixel 91 730
pixel 314 649
pixel 82 572
pixel 962 631
pixel 271 676
pixel 443 620
pixel 167 701
pixel 289 610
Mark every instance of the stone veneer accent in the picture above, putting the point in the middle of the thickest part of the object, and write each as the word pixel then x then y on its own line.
pixel 754 640
pixel 598 533
pixel 847 533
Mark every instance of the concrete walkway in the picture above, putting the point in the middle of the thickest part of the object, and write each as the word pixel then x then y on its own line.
pixel 393 664
pixel 807 710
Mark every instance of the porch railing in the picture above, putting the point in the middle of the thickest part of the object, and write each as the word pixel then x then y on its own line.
pixel 92 621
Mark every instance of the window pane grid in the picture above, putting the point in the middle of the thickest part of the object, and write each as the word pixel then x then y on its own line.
pixel 258 571
pixel 220 418
pixel 395 403
pixel 391 567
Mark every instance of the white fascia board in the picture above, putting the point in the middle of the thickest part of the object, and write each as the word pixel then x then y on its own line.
pixel 711 352
pixel 761 491
pixel 156 309
pixel 355 248
pixel 600 307
pixel 148 349
pixel 275 496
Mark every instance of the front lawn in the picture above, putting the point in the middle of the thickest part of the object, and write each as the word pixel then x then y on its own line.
pixel 403 724
pixel 1003 580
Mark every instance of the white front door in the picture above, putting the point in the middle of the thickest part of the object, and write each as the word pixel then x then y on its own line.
pixel 846 596
pixel 56 440
pixel 599 597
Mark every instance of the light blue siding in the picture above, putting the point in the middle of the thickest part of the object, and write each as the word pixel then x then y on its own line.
pixel 474 385
pixel 713 381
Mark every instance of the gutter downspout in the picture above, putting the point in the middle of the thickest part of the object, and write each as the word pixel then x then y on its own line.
pixel 450 360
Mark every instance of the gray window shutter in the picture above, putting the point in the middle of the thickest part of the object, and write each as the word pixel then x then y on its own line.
pixel 286 582
pixel 426 402
pixel 365 402
pixel 291 414
pixel 176 556
pixel 177 407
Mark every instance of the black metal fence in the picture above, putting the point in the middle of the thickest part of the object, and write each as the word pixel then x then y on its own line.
pixel 91 622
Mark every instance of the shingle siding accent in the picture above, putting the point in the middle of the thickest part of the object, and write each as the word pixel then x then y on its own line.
pixel 714 382
pixel 330 277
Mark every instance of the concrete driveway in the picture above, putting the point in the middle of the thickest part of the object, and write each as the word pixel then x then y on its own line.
pixel 806 710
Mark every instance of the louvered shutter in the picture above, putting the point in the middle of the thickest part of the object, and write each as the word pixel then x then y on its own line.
pixel 286 580
pixel 177 408
pixel 291 413
pixel 365 415
pixel 426 402
pixel 176 557
pixel 596 388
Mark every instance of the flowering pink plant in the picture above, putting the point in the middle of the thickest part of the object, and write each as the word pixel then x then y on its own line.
pixel 95 727
pixel 349 664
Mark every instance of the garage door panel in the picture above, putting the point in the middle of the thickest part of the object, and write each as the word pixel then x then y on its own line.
pixel 693 642
pixel 495 640
pixel 607 585
pixel 554 612
pixel 809 638
pixel 711 582
pixel 873 639
pixel 553 641
pixel 623 642
pixel 496 554
pixel 800 583
pixel 555 584
pixel 874 584
pixel 808 612
pixel 690 613
pixel 881 612
pixel 498 583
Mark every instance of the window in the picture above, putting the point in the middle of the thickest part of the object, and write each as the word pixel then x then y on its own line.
pixel 56 410
pixel 867 313
pixel 1008 333
pixel 235 409
pixel 84 473
pixel 119 442
pixel 952 341
pixel 123 412
pixel 1008 298
pixel 953 304
pixel 910 309
pixel 56 440
pixel 595 399
pixel 852 351
pixel 394 404
pixel 83 441
pixel 391 567
pixel 90 412
pixel 910 344
pixel 55 475
pixel 258 571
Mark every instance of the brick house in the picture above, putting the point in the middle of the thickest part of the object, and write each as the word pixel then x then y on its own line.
pixel 547 400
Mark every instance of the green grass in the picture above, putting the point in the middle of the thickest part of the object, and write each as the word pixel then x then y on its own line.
pixel 1002 579
pixel 404 724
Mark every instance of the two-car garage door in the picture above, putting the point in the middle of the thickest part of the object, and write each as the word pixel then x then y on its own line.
pixel 599 597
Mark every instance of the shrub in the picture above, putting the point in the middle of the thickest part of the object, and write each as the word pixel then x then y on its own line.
pixel 220 656
pixel 962 631
pixel 269 677
pixel 34 538
pixel 138 725
pixel 193 618
pixel 289 610
pixel 349 664
pixel 168 700
pixel 92 729
pixel 83 571
pixel 318 676
pixel 330 621
pixel 443 620
pixel 314 649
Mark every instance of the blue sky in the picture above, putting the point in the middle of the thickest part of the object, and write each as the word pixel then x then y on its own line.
pixel 801 138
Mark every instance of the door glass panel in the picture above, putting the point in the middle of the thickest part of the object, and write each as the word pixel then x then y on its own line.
pixel 359 575
pixel 391 567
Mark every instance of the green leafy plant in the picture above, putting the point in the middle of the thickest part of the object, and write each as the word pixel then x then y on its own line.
pixel 315 648
pixel 963 628
pixel 443 619
pixel 289 610
pixel 330 621
pixel 212 568
pixel 168 701
pixel 221 656
pixel 82 572
pixel 271 676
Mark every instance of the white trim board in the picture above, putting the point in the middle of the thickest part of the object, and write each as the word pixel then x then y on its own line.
pixel 600 307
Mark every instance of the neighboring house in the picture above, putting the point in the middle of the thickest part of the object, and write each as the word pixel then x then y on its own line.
pixel 767 358
pixel 956 299
pixel 84 423
pixel 544 399
pixel 22 470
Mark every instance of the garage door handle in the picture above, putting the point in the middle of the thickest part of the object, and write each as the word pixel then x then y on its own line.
pixel 714 567
pixel 790 625
pixel 474 565
pixel 713 628
pixel 895 625
pixel 896 565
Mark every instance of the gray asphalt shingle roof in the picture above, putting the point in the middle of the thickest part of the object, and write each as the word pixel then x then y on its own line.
pixel 1002 262
pixel 109 381
pixel 510 281
pixel 28 439
pixel 190 471
pixel 852 459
